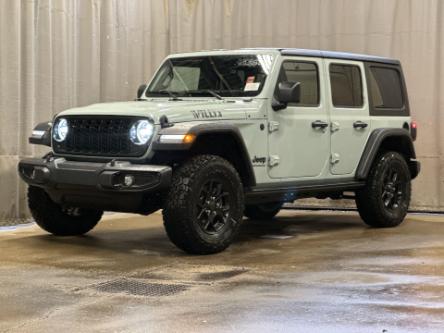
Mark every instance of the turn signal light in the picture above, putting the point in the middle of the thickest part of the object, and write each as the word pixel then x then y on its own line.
pixel 177 138
pixel 189 138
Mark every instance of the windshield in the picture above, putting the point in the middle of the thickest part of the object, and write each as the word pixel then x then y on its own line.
pixel 226 76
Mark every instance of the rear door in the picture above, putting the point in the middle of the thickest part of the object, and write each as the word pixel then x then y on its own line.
pixel 299 139
pixel 349 113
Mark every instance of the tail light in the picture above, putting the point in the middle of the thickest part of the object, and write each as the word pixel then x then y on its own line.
pixel 413 130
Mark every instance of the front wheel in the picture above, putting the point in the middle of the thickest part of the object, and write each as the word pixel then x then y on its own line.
pixel 385 199
pixel 203 209
pixel 59 220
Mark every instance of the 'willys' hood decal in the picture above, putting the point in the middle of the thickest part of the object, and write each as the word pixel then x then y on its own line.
pixel 176 111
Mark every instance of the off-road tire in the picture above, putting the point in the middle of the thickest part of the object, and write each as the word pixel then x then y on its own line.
pixel 182 212
pixel 58 220
pixel 372 199
pixel 263 212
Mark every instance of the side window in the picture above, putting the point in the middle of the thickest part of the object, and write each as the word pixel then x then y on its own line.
pixel 385 88
pixel 306 73
pixel 346 86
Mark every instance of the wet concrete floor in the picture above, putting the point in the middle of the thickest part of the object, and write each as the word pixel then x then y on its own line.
pixel 303 272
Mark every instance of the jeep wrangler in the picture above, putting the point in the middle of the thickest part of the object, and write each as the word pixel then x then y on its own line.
pixel 218 135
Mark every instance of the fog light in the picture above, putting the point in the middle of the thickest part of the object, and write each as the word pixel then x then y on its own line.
pixel 128 180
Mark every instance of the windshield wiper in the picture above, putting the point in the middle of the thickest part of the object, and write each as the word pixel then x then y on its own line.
pixel 172 95
pixel 215 94
pixel 206 91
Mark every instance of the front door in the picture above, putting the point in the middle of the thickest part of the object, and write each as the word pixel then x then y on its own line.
pixel 299 137
pixel 349 113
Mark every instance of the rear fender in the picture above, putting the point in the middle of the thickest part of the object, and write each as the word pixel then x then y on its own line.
pixel 396 139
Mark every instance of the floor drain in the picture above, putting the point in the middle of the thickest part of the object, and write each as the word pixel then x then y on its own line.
pixel 139 288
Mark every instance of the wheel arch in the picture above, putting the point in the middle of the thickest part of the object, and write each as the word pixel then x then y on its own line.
pixel 224 140
pixel 396 139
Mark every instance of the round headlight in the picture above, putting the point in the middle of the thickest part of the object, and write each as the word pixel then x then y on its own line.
pixel 141 132
pixel 60 130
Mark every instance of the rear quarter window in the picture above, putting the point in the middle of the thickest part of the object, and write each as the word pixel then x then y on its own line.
pixel 385 88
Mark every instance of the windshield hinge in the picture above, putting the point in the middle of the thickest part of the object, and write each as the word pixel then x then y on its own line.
pixel 164 123
pixel 273 126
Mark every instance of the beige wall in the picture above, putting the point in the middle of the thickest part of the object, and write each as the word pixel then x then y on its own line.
pixel 62 53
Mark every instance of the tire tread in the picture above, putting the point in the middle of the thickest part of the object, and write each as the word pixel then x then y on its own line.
pixel 177 222
pixel 49 216
pixel 368 199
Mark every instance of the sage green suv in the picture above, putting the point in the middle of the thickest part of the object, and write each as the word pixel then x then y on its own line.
pixel 218 135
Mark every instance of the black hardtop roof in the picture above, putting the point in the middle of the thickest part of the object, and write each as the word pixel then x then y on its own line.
pixel 338 55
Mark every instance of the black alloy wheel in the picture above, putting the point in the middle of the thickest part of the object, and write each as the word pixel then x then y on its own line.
pixel 213 207
pixel 204 206
pixel 385 199
pixel 394 188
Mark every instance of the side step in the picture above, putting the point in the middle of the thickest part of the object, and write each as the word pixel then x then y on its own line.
pixel 289 192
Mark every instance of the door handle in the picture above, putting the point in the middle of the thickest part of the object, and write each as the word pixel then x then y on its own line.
pixel 319 124
pixel 359 125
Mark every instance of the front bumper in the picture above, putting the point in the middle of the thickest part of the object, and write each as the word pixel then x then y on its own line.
pixel 117 186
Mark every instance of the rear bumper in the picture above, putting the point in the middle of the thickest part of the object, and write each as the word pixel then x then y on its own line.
pixel 96 185
pixel 414 167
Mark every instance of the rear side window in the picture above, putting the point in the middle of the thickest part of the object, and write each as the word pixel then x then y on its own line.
pixel 306 73
pixel 385 88
pixel 346 86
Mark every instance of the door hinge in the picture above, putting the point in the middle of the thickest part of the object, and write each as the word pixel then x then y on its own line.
pixel 273 160
pixel 335 126
pixel 273 126
pixel 335 158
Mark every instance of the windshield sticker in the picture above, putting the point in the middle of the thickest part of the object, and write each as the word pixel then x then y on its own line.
pixel 266 60
pixel 247 62
pixel 198 114
pixel 252 86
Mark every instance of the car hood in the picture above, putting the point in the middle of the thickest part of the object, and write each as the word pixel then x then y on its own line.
pixel 176 111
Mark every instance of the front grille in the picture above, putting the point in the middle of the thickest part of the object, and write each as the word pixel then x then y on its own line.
pixel 99 136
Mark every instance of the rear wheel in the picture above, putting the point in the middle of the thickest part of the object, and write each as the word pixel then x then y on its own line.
pixel 59 220
pixel 385 199
pixel 203 209
pixel 265 211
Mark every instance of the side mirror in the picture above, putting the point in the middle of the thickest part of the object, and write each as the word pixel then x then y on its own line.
pixel 41 134
pixel 140 91
pixel 287 93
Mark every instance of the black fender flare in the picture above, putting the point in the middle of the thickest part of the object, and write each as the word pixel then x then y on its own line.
pixel 41 134
pixel 374 143
pixel 202 129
